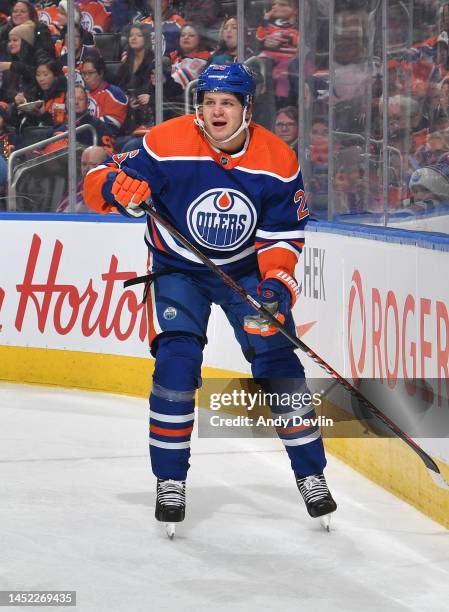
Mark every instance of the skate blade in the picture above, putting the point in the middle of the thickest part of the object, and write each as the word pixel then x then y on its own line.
pixel 325 522
pixel 170 529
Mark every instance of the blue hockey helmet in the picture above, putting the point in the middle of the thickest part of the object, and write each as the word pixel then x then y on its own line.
pixel 234 78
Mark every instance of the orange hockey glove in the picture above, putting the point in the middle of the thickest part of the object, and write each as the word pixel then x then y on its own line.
pixel 129 190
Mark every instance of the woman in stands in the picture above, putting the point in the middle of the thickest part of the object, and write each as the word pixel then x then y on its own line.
pixel 107 102
pixel 226 52
pixel 134 77
pixel 24 12
pixel 86 37
pixel 192 55
pixel 18 69
pixel 51 88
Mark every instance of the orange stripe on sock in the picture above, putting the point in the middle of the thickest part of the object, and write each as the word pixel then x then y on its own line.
pixel 171 432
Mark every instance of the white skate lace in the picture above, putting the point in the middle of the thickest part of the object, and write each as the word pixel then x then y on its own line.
pixel 171 492
pixel 313 488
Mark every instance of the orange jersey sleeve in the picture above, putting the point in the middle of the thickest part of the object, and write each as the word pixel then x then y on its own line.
pixel 92 188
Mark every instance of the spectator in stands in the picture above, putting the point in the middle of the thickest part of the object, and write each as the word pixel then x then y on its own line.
pixel 90 158
pixel 7 146
pixel 278 37
pixel 226 53
pixel 171 25
pixel 105 133
pixel 24 12
pixel 82 50
pixel 18 71
pixel 319 143
pixel 204 12
pixel 348 180
pixel 51 88
pixel 439 121
pixel 437 145
pixel 429 186
pixel 47 13
pixel 441 68
pixel 108 102
pixel 408 128
pixel 286 126
pixel 95 16
pixel 5 11
pixel 134 77
pixel 7 133
pixel 192 55
pixel 87 38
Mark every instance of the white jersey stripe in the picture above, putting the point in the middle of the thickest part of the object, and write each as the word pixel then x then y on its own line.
pixel 280 235
pixel 273 174
pixel 177 157
pixel 280 245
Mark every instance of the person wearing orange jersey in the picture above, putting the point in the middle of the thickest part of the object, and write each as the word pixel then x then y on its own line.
pixel 235 191
pixel 95 16
pixel 109 102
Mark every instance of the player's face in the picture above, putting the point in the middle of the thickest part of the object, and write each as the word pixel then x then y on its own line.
pixel 222 114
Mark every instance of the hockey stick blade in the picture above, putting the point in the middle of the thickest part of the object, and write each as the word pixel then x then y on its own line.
pixel 430 464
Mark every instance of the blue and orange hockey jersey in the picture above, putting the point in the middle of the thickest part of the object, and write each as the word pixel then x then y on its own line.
pixel 232 207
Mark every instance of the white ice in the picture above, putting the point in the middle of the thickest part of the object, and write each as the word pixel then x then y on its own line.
pixel 77 505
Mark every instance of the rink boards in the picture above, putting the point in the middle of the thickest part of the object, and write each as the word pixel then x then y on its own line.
pixel 373 304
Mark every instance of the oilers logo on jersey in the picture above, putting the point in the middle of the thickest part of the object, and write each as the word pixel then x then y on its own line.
pixel 221 219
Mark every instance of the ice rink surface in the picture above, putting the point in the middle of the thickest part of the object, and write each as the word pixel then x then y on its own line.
pixel 77 505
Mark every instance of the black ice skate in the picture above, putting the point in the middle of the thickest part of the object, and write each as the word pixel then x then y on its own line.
pixel 317 497
pixel 170 503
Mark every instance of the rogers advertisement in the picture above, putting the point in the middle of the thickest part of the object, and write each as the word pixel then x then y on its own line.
pixel 386 317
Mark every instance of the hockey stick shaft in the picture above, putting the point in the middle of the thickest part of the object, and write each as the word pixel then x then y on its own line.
pixel 259 308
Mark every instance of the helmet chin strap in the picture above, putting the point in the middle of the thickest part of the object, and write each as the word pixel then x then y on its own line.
pixel 200 123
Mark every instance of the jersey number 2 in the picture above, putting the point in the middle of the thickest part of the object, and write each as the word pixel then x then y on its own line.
pixel 300 199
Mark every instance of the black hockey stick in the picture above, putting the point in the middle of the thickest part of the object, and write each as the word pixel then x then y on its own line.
pixel 428 461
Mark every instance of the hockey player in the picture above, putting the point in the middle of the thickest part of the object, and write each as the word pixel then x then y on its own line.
pixel 235 190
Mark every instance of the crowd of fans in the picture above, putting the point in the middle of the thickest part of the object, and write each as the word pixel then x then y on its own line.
pixel 115 91
pixel 417 97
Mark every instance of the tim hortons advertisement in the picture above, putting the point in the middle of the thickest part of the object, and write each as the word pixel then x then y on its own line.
pixel 61 287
